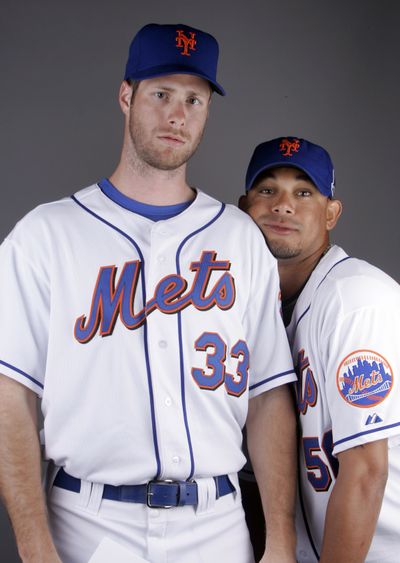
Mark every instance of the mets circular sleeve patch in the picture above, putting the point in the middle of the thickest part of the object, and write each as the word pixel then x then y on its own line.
pixel 364 378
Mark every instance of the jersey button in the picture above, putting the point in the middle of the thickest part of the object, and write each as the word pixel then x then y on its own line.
pixel 161 258
pixel 176 459
pixel 168 401
pixel 162 344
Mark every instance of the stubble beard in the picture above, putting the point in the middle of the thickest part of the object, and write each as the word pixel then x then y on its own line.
pixel 145 154
pixel 282 251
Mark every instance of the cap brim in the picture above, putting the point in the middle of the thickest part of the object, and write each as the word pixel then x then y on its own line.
pixel 166 70
pixel 280 164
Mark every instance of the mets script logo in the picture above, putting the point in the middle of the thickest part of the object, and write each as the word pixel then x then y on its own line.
pixel 288 147
pixel 111 300
pixel 364 378
pixel 307 390
pixel 184 42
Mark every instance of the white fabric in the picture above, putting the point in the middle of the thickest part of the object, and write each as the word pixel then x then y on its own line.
pixel 109 550
pixel 206 494
pixel 348 312
pixel 178 535
pixel 96 402
pixel 95 394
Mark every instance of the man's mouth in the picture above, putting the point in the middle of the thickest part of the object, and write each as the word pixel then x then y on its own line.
pixel 280 228
pixel 173 140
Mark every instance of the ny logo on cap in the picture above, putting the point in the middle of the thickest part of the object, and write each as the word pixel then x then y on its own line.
pixel 289 146
pixel 184 42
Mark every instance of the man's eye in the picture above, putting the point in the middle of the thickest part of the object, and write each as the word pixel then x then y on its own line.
pixel 194 101
pixel 160 95
pixel 304 193
pixel 267 191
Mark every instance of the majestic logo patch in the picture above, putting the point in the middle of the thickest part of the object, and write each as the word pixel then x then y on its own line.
pixel 184 42
pixel 373 419
pixel 364 378
pixel 288 147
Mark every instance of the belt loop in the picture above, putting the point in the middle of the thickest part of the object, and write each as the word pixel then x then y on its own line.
pixel 206 494
pixel 84 494
pixel 234 479
pixel 182 494
pixel 95 498
pixel 49 476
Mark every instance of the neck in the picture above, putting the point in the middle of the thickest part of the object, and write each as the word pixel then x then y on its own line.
pixel 150 185
pixel 294 273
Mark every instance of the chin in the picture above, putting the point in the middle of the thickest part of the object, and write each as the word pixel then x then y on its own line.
pixel 283 251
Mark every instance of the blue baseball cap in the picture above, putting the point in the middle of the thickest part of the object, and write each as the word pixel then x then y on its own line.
pixel 299 153
pixel 157 50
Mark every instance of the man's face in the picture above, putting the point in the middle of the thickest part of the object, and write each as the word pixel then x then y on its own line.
pixel 293 215
pixel 167 119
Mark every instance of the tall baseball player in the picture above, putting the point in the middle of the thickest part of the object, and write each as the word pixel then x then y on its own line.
pixel 343 323
pixel 134 310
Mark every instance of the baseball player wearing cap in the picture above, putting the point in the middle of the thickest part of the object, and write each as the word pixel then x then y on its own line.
pixel 134 310
pixel 343 322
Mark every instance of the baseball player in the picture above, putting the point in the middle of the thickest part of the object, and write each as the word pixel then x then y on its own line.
pixel 343 322
pixel 134 310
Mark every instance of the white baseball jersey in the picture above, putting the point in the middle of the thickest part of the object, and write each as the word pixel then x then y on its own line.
pixel 345 334
pixel 144 339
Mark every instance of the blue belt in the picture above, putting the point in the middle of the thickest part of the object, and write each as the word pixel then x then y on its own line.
pixel 156 494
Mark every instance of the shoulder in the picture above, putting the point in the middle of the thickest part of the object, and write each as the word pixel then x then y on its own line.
pixel 359 284
pixel 49 214
pixel 230 211
pixel 241 218
pixel 41 228
pixel 244 224
pixel 238 223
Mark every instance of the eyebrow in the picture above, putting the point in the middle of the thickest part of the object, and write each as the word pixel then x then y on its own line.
pixel 163 87
pixel 171 89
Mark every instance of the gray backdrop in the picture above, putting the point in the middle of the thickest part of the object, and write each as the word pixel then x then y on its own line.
pixel 328 71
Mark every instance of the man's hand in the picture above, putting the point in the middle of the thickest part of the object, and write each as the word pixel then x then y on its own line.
pixel 271 441
pixel 20 473
pixel 355 503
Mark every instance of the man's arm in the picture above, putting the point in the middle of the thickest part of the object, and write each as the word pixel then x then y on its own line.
pixel 355 502
pixel 271 442
pixel 20 474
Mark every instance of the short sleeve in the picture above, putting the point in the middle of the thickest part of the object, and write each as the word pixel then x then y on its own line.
pixel 24 314
pixel 271 361
pixel 363 377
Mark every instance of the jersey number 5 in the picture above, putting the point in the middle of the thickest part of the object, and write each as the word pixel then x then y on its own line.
pixel 216 375
pixel 319 473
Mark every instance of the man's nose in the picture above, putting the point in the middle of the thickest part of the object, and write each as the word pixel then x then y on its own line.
pixel 177 114
pixel 283 204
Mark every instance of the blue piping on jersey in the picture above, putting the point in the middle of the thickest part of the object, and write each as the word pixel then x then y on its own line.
pixel 271 379
pixel 323 279
pixel 22 373
pixel 373 430
pixel 334 266
pixel 146 346
pixel 181 362
pixel 302 315
pixel 303 513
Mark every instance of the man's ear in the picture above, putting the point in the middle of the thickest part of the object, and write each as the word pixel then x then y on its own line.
pixel 333 212
pixel 243 202
pixel 125 96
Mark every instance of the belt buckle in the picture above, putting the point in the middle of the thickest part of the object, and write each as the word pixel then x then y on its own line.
pixel 149 493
